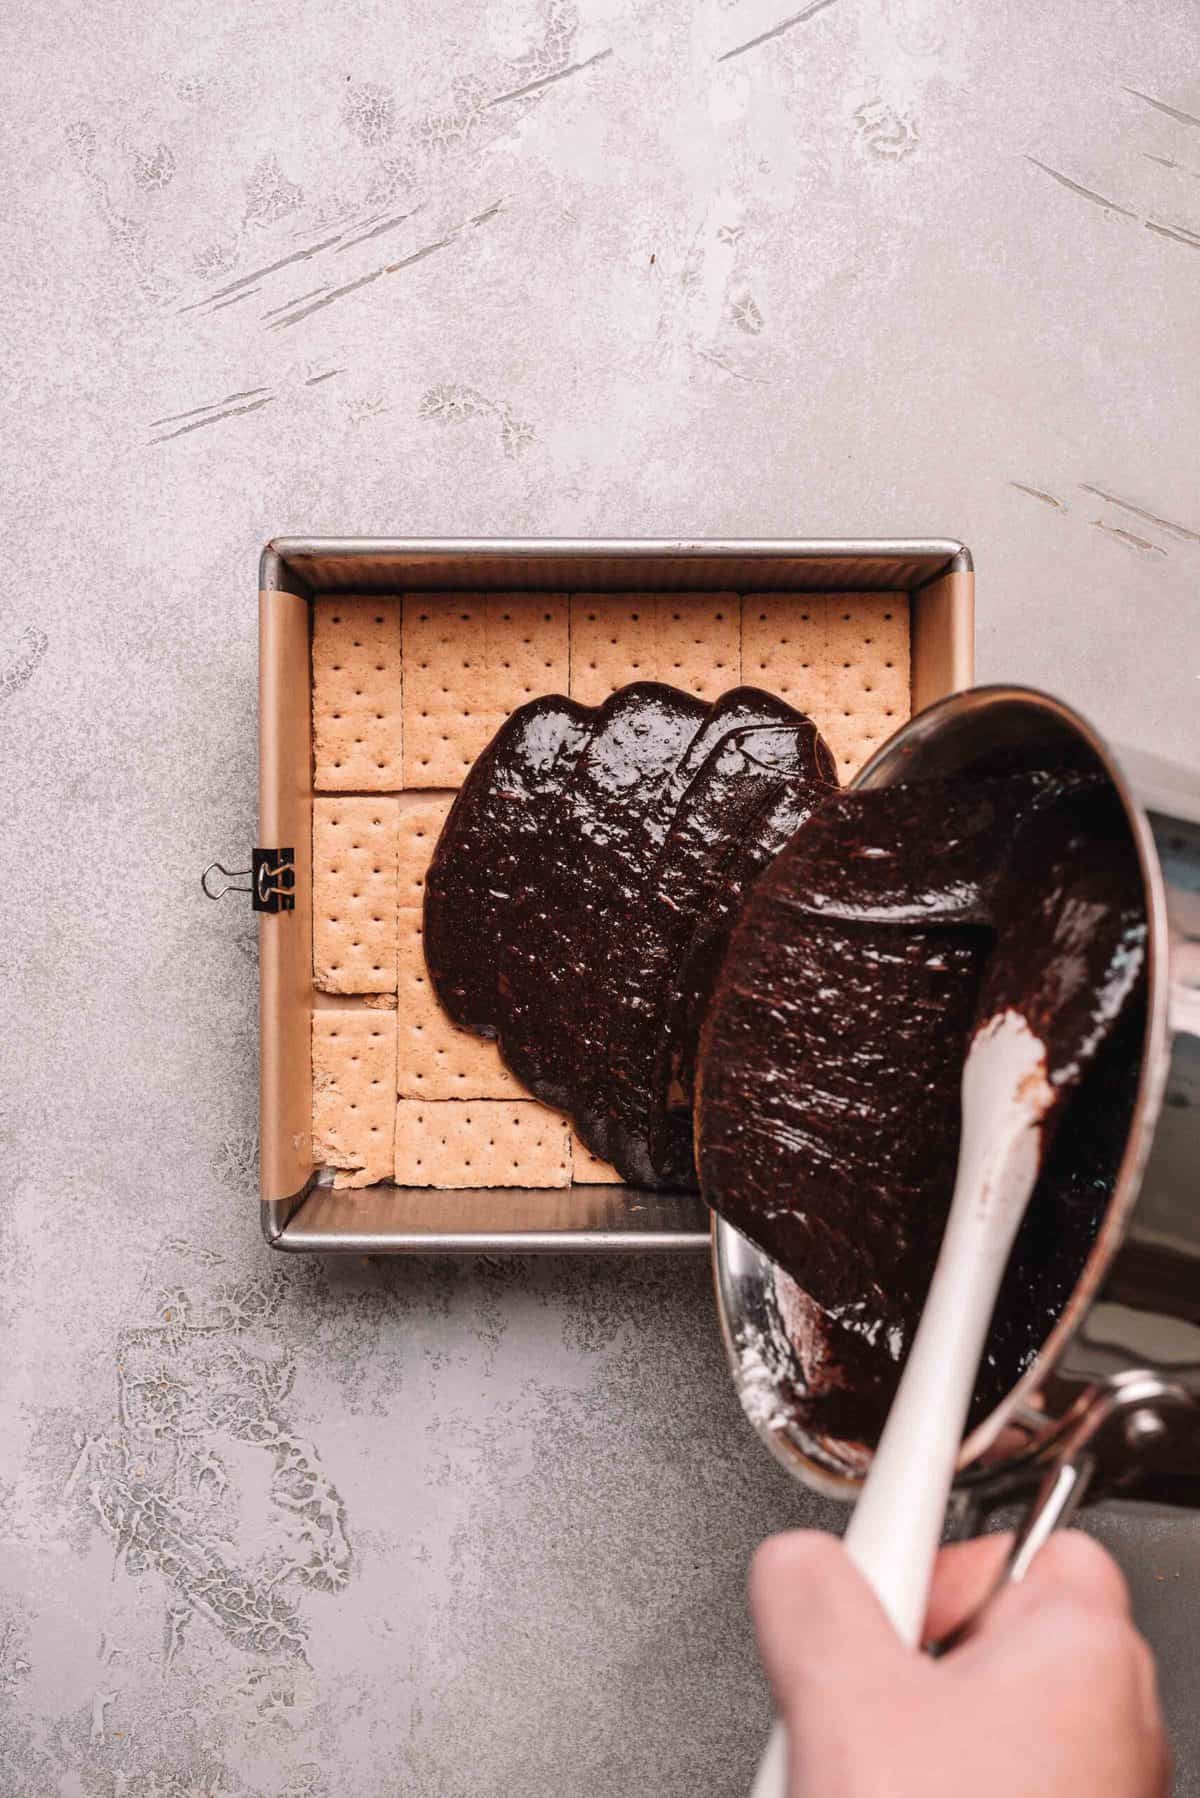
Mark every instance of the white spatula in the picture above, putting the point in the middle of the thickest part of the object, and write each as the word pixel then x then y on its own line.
pixel 894 1533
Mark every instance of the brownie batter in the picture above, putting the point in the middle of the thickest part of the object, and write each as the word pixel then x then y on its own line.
pixel 602 834
pixel 775 822
pixel 613 881
pixel 888 877
pixel 713 813
pixel 568 878
pixel 828 1111
pixel 490 845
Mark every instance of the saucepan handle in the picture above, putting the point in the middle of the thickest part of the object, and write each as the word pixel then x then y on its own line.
pixel 1055 1503
pixel 1118 1416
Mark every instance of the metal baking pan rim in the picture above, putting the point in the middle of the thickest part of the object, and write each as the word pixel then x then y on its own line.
pixel 284 1229
pixel 948 555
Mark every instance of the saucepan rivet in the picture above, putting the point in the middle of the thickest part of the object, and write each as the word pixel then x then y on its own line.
pixel 1143 1427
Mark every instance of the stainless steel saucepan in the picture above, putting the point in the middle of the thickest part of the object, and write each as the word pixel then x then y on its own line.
pixel 1113 1399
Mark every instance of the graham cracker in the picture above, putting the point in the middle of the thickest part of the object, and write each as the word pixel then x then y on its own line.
pixel 785 647
pixel 869 682
pixel 437 1060
pixel 841 657
pixel 354 1074
pixel 421 818
pixel 693 643
pixel 483 1142
pixel 469 660
pixel 354 894
pixel 587 1169
pixel 356 695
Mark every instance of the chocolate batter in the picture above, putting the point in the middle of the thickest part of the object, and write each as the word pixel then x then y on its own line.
pixel 871 881
pixel 712 815
pixel 567 920
pixel 569 875
pixel 579 908
pixel 776 821
pixel 828 1109
pixel 490 846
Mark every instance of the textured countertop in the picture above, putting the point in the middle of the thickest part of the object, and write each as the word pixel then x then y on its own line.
pixel 871 267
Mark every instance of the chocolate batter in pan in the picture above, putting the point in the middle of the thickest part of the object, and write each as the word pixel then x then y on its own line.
pixel 779 816
pixel 491 841
pixel 567 916
pixel 711 815
pixel 613 819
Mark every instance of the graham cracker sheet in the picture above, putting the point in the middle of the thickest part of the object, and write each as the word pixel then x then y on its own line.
pixel 407 690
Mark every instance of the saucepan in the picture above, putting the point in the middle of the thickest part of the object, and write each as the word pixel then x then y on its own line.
pixel 1112 1401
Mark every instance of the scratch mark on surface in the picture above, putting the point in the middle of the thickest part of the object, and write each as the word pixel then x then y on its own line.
pixel 272 268
pixel 764 37
pixel 21 671
pixel 215 419
pixel 297 301
pixel 1075 188
pixel 248 295
pixel 1172 112
pixel 230 398
pixel 1169 162
pixel 489 212
pixel 1036 493
pixel 174 417
pixel 1180 233
pixel 428 249
pixel 1164 524
pixel 315 380
pixel 335 293
pixel 572 68
pixel 1141 544
pixel 391 268
pixel 711 356
pixel 178 1616
pixel 379 230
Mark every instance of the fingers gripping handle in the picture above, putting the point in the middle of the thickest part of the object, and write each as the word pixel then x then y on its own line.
pixel 1057 1500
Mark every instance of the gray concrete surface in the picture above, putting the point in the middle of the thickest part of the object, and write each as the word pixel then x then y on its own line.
pixel 873 266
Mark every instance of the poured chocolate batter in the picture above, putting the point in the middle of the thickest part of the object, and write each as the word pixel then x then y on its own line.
pixel 828 1112
pixel 569 876
pixel 877 879
pixel 575 977
pixel 776 821
pixel 567 918
pixel 712 815
pixel 491 843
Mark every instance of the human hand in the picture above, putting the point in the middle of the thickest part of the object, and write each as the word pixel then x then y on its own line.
pixel 1052 1695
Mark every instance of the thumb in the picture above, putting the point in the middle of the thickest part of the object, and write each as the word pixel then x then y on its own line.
pixel 820 1626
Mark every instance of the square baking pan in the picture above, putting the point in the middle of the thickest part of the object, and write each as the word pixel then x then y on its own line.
pixel 302 1211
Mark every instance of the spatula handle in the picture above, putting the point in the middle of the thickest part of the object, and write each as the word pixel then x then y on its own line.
pixel 894 1533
